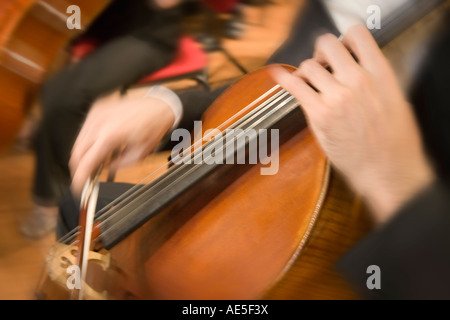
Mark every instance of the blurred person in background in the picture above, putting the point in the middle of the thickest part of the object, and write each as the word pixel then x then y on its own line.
pixel 134 38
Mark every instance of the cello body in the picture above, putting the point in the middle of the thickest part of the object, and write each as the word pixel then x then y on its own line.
pixel 240 235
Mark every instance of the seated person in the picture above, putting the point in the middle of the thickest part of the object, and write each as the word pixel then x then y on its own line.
pixel 135 38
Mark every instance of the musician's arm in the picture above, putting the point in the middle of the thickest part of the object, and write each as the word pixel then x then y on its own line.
pixel 411 251
pixel 362 121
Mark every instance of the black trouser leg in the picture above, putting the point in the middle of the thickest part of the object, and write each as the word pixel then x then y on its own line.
pixel 67 97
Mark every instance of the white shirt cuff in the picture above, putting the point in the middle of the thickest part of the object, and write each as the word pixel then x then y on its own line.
pixel 170 98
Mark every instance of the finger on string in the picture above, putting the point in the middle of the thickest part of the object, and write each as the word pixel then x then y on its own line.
pixel 330 52
pixel 307 97
pixel 316 75
pixel 361 43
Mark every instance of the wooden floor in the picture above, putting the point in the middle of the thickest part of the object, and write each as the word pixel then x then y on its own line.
pixel 21 259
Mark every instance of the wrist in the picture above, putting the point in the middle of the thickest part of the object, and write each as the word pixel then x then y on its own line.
pixel 387 199
pixel 169 98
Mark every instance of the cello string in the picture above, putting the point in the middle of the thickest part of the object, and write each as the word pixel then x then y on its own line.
pixel 195 153
pixel 124 217
pixel 253 114
pixel 193 146
pixel 73 233
pixel 250 116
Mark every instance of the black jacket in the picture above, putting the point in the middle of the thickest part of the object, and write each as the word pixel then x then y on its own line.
pixel 413 249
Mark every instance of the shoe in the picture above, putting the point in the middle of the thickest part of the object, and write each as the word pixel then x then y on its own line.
pixel 25 137
pixel 41 223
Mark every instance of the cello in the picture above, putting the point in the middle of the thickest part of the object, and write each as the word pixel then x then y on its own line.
pixel 225 232
pixel 211 249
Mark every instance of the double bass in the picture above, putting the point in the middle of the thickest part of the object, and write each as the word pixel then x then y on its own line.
pixel 205 231
pixel 33 35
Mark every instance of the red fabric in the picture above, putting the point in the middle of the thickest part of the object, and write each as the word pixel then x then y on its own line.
pixel 190 58
pixel 83 48
pixel 222 6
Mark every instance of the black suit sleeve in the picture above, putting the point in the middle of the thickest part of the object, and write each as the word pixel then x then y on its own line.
pixel 412 251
